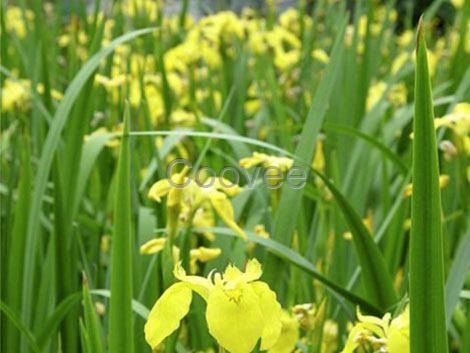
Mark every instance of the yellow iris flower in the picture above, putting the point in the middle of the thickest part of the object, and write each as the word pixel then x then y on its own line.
pixel 289 335
pixel 282 163
pixel 383 334
pixel 190 198
pixel 240 308
pixel 200 254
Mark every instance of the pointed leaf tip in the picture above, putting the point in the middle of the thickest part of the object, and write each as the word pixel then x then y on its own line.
pixel 420 36
pixel 127 119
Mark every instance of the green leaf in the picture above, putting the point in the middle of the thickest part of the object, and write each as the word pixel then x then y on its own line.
pixel 138 308
pixel 51 324
pixel 121 338
pixel 427 307
pixel 47 155
pixel 10 314
pixel 386 152
pixel 290 203
pixel 92 324
pixel 375 275
pixel 16 250
pixel 457 275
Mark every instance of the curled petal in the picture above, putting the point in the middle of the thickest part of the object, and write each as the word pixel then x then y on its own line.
pixel 166 314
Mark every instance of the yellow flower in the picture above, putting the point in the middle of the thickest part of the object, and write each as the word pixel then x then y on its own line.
pixel 204 254
pixel 458 4
pixel 190 197
pixel 267 161
pixel 288 336
pixel 181 117
pixel 111 143
pixel 320 55
pixel 153 246
pixel 458 120
pixel 444 180
pixel 383 334
pixel 15 93
pixel 55 94
pixel 240 309
pixel 15 21
pixel 261 231
pixel 376 92
pixel 399 61
pixel 318 162
pixel 405 39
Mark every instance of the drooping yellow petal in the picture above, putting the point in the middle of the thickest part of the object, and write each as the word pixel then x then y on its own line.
pixel 159 189
pixel 153 246
pixel 227 186
pixel 200 285
pixel 204 254
pixel 234 317
pixel 224 209
pixel 271 311
pixel 249 162
pixel 177 183
pixel 166 314
pixel 288 336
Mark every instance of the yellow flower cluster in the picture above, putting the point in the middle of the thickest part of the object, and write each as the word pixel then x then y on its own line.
pixel 189 201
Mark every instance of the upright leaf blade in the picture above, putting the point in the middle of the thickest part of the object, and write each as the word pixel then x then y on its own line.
pixel 92 324
pixel 47 154
pixel 376 278
pixel 121 338
pixel 427 307
pixel 290 203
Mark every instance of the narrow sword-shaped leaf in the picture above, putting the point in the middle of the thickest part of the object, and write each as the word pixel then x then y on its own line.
pixel 47 154
pixel 376 278
pixel 121 338
pixel 427 307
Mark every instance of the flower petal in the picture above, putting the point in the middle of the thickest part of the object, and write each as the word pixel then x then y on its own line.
pixel 200 285
pixel 153 246
pixel 271 311
pixel 234 317
pixel 159 189
pixel 288 336
pixel 224 209
pixel 166 314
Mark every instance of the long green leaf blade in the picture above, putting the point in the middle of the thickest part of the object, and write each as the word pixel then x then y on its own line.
pixel 121 338
pixel 376 278
pixel 47 154
pixel 427 307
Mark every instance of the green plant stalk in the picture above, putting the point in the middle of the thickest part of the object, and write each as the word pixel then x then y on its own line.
pixel 428 332
pixel 121 338
pixel 16 249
